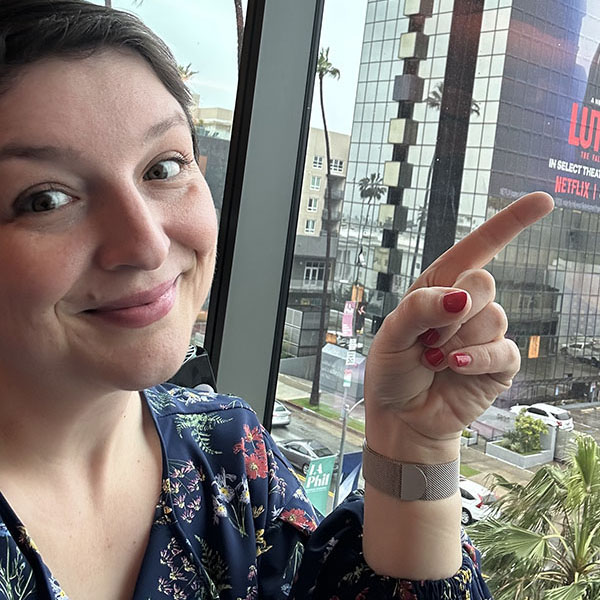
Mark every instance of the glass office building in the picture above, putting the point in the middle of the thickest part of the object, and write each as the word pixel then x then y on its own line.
pixel 534 123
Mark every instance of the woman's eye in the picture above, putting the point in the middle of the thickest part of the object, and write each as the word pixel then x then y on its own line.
pixel 163 169
pixel 42 201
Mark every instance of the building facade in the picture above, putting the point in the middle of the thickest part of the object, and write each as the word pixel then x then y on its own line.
pixel 309 263
pixel 534 123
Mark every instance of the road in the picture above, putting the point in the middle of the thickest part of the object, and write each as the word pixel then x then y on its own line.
pixel 307 426
pixel 587 420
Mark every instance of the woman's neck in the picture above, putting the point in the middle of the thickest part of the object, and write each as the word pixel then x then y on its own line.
pixel 69 431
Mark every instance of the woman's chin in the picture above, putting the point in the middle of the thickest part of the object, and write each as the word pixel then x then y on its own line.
pixel 139 370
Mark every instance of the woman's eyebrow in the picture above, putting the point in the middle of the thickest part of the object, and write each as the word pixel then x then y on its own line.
pixel 163 126
pixel 44 153
pixel 49 152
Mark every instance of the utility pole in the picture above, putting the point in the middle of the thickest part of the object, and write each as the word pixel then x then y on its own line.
pixel 346 410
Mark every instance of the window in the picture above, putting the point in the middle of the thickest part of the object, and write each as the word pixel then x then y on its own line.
pixel 313 272
pixel 337 165
pixel 548 280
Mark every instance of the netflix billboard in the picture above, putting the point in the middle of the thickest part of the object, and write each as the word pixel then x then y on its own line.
pixel 548 128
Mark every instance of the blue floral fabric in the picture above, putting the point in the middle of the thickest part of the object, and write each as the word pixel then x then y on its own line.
pixel 233 523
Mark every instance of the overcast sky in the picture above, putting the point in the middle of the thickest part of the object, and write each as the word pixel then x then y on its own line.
pixel 203 33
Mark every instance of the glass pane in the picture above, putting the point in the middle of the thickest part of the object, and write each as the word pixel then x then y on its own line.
pixel 534 124
pixel 213 83
pixel 323 195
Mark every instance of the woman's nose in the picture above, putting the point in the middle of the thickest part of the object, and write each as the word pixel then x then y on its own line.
pixel 132 232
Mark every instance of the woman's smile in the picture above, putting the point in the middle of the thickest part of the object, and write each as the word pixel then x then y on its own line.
pixel 140 309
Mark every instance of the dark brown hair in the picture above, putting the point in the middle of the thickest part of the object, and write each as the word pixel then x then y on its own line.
pixel 31 30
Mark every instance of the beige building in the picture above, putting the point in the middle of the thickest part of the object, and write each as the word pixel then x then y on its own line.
pixel 315 179
pixel 301 331
pixel 215 121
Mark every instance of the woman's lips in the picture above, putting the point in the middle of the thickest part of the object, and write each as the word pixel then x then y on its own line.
pixel 141 309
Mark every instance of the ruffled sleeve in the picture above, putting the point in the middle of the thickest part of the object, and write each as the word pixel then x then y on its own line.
pixel 302 561
pixel 333 567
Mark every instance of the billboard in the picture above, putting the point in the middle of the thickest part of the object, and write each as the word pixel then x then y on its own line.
pixel 548 128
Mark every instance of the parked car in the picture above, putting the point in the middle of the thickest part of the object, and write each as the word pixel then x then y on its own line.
pixel 554 416
pixel 281 415
pixel 585 350
pixel 301 452
pixel 477 501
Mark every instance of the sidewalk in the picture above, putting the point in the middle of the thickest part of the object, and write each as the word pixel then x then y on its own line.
pixel 294 388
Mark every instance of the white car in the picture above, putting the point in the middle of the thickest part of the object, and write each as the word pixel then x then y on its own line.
pixel 281 415
pixel 554 416
pixel 477 501
pixel 586 350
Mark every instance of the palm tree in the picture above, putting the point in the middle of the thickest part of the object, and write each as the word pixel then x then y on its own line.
pixel 370 188
pixel 239 18
pixel 186 72
pixel 324 69
pixel 433 100
pixel 545 542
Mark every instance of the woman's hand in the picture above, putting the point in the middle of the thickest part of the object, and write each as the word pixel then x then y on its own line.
pixel 441 358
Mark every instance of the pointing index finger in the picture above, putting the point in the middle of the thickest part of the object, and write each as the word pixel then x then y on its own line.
pixel 480 246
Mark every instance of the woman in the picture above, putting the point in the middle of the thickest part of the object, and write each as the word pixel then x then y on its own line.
pixel 107 239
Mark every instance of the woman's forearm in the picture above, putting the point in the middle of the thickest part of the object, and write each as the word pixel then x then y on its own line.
pixel 412 539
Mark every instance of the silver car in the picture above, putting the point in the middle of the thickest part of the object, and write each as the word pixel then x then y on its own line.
pixel 281 415
pixel 301 452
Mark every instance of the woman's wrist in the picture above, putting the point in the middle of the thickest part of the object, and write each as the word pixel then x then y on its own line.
pixel 390 436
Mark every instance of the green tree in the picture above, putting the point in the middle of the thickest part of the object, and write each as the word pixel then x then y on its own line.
pixel 370 188
pixel 544 543
pixel 186 72
pixel 525 437
pixel 324 69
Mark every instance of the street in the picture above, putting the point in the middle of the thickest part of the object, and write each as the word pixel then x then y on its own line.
pixel 587 420
pixel 305 425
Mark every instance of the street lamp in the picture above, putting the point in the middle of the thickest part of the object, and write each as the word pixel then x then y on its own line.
pixel 346 410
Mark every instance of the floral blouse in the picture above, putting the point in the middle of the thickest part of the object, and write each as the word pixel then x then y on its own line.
pixel 233 523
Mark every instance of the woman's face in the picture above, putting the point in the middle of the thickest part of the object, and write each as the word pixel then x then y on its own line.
pixel 107 227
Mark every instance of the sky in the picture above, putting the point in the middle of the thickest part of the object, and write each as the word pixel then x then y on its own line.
pixel 203 33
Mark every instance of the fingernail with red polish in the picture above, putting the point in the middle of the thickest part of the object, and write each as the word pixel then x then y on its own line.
pixel 462 360
pixel 430 337
pixel 434 356
pixel 455 301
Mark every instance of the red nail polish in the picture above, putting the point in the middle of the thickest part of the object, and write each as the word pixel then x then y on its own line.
pixel 455 301
pixel 430 337
pixel 434 356
pixel 462 360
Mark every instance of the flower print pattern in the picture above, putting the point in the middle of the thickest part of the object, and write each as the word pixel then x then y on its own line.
pixel 299 518
pixel 252 446
pixel 232 523
pixel 231 502
pixel 16 579
pixel 200 427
